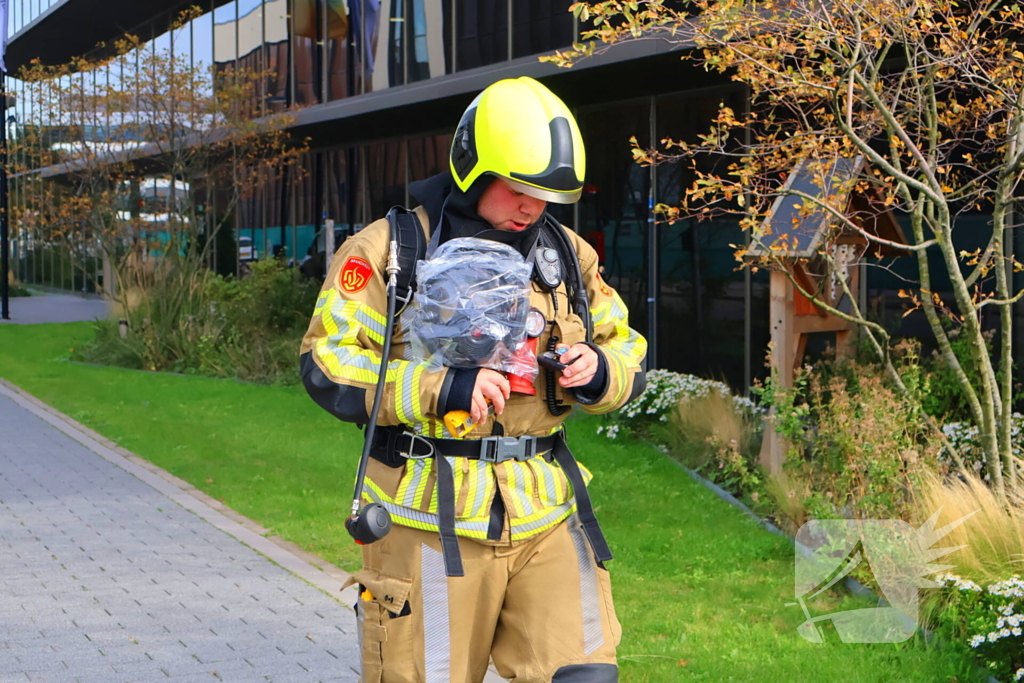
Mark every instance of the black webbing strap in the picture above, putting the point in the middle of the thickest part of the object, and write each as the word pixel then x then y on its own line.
pixel 563 456
pixel 445 483
pixel 412 245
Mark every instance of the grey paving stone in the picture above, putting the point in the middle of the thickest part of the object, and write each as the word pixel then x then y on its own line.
pixel 52 677
pixel 105 579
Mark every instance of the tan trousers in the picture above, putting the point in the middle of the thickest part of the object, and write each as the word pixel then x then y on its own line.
pixel 534 608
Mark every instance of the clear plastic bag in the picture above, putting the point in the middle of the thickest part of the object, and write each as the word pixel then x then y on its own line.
pixel 470 308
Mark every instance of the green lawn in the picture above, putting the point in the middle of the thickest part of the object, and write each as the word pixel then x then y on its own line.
pixel 700 588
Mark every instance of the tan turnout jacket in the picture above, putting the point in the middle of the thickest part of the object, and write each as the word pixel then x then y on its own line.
pixel 340 363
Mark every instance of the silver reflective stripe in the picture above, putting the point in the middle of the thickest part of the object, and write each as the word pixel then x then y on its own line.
pixel 557 514
pixel 369 323
pixel 436 629
pixel 361 622
pixel 590 598
pixel 408 379
pixel 423 518
pixel 410 493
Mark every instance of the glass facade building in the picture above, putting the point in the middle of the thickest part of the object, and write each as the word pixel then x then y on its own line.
pixel 381 84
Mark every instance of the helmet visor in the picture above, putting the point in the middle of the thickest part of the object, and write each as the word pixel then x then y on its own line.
pixel 552 196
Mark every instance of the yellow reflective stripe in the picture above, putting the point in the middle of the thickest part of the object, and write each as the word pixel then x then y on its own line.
pixel 410 482
pixel 485 488
pixel 600 314
pixel 373 322
pixel 407 391
pixel 459 477
pixel 421 520
pixel 421 487
pixel 349 317
pixel 351 362
pixel 561 483
pixel 549 517
pixel 515 490
pixel 472 485
pixel 587 476
pixel 547 478
pixel 528 479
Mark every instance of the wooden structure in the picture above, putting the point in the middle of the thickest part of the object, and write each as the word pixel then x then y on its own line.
pixel 800 238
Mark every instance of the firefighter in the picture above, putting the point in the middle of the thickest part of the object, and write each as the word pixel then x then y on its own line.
pixel 525 584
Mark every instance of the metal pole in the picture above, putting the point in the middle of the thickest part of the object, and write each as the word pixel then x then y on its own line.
pixel 5 242
pixel 653 262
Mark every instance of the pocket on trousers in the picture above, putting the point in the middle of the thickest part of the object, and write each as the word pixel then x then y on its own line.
pixel 390 593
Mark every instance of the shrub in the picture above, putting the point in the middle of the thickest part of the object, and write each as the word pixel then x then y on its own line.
pixel 720 438
pixel 857 447
pixel 665 390
pixel 14 287
pixel 989 620
pixel 248 329
pixel 992 539
pixel 964 437
pixel 703 425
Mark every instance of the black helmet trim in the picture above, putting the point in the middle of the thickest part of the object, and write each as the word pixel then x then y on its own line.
pixel 560 175
pixel 464 155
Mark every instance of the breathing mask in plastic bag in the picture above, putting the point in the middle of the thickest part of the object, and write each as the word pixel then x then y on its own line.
pixel 469 311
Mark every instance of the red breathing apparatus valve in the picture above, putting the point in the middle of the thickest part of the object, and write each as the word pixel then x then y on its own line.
pixel 535 324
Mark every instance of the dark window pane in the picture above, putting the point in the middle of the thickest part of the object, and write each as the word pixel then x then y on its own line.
pixel 613 209
pixel 396 36
pixel 428 156
pixel 540 26
pixel 481 32
pixel 339 49
pixel 307 17
pixel 385 177
pixel 701 298
pixel 417 55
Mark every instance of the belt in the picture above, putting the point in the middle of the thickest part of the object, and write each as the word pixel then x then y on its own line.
pixel 394 446
pixel 397 446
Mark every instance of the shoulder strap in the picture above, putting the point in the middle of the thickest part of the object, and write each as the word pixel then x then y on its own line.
pixel 412 246
pixel 577 289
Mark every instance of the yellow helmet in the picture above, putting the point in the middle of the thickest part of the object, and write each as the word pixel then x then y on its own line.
pixel 519 130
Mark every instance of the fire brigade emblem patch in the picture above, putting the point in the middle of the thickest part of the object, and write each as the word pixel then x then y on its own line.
pixel 355 275
pixel 604 288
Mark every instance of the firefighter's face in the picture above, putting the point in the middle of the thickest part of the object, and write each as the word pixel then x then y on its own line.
pixel 506 208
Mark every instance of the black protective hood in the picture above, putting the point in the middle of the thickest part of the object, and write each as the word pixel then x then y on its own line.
pixel 453 212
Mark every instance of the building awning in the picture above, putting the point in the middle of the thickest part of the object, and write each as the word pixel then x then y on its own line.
pixel 71 28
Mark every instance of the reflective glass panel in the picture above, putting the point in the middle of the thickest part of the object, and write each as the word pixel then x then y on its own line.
pixel 481 33
pixel 701 305
pixel 339 51
pixel 276 54
pixel 540 26
pixel 307 18
pixel 225 34
pixel 613 209
pixel 385 177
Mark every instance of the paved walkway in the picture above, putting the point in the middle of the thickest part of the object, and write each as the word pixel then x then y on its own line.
pixel 55 308
pixel 104 578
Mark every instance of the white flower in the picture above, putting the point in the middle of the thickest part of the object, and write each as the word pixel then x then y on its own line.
pixel 977 640
pixel 1019 675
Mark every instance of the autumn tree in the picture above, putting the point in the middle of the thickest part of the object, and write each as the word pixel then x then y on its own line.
pixel 131 159
pixel 930 93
